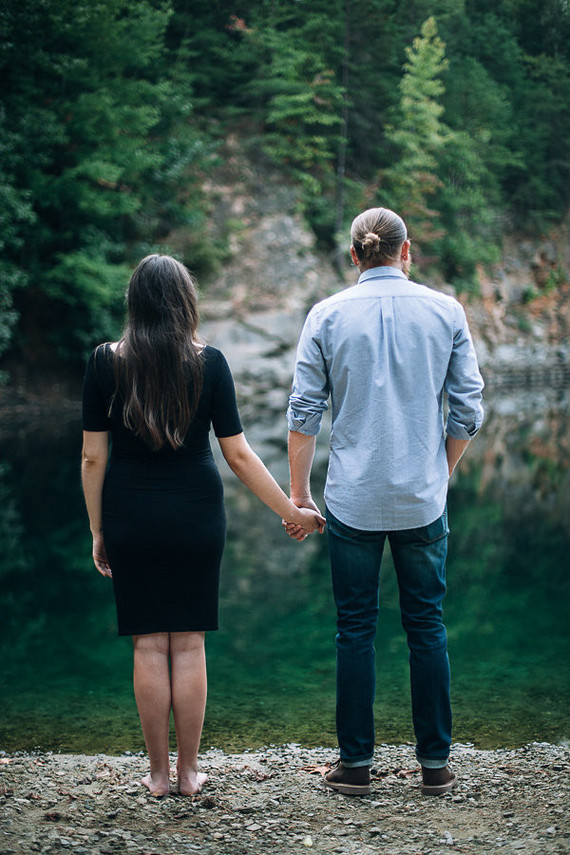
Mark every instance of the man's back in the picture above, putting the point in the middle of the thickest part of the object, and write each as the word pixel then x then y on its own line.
pixel 386 350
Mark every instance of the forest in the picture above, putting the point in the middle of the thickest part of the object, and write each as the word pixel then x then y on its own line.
pixel 114 112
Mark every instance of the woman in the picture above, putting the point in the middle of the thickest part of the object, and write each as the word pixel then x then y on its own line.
pixel 156 513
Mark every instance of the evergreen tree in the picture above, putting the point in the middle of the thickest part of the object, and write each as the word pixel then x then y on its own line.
pixel 298 91
pixel 523 48
pixel 417 137
pixel 483 148
pixel 16 213
pixel 375 52
pixel 108 109
pixel 295 98
pixel 99 140
pixel 205 39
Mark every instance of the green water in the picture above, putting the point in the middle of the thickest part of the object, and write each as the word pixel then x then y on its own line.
pixel 65 677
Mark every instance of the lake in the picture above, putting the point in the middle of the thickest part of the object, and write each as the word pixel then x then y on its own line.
pixel 66 676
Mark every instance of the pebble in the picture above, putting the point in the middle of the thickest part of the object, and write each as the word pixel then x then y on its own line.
pixel 101 810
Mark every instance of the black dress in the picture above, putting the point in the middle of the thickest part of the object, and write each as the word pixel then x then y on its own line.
pixel 163 513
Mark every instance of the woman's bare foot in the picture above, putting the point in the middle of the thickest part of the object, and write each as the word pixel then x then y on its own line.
pixel 157 785
pixel 191 783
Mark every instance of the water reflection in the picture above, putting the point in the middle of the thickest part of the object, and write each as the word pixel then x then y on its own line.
pixel 65 675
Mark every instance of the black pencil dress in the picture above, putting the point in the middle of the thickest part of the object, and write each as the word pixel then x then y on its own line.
pixel 163 513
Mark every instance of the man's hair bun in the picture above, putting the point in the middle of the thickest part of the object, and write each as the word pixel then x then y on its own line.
pixel 371 242
pixel 377 234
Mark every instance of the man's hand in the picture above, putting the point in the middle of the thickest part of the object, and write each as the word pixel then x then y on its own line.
pixel 296 531
pixel 454 448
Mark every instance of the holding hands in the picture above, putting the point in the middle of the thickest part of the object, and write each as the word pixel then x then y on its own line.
pixel 307 519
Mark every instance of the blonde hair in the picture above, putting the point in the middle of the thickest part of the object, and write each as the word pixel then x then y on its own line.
pixel 377 234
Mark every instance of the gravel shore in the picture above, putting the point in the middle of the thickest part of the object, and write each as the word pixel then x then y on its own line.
pixel 274 800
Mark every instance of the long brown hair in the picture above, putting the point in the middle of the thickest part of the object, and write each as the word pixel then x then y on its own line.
pixel 158 361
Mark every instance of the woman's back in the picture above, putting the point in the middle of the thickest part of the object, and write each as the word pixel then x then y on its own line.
pixel 163 513
pixel 216 406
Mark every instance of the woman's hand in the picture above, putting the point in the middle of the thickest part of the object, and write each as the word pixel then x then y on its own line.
pixel 100 555
pixel 308 519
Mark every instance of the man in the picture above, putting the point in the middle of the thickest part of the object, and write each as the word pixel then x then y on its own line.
pixel 388 352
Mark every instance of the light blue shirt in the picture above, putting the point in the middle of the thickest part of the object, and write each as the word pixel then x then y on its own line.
pixel 388 352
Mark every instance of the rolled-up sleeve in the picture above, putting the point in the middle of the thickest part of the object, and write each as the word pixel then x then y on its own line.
pixel 464 384
pixel 308 400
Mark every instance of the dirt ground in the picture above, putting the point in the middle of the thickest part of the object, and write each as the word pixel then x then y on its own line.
pixel 274 800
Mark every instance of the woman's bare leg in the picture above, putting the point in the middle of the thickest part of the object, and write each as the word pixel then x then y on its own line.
pixel 189 689
pixel 151 679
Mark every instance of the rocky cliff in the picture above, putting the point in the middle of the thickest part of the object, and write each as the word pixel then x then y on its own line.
pixel 254 308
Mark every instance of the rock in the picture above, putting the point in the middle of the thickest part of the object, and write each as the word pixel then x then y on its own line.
pixel 246 817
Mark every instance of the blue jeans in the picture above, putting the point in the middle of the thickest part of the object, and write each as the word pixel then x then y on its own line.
pixel 419 558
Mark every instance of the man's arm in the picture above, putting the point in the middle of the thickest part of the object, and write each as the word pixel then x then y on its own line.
pixel 301 455
pixel 307 403
pixel 464 386
pixel 454 449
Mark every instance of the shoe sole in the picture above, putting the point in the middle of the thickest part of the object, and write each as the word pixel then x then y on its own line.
pixel 349 789
pixel 439 789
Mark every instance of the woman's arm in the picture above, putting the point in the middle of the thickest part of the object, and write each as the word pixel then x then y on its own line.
pixel 248 467
pixel 93 466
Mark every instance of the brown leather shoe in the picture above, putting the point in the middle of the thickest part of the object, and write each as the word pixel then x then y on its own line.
pixel 436 782
pixel 350 781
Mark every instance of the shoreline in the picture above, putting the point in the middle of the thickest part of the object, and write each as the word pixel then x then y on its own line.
pixel 274 800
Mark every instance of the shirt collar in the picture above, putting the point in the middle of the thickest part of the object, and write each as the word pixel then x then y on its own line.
pixel 381 273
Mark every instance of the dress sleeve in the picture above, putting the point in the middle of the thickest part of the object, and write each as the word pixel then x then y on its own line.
pixel 95 417
pixel 224 413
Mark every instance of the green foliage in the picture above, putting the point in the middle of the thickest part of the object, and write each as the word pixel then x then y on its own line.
pixel 523 48
pixel 469 212
pixel 557 277
pixel 205 42
pixel 109 111
pixel 15 212
pixel 296 95
pixel 100 142
pixel 544 133
pixel 302 102
pixel 417 136
pixel 450 179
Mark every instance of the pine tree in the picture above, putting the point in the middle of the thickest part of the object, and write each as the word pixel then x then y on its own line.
pixel 297 89
pixel 99 141
pixel 16 213
pixel 416 137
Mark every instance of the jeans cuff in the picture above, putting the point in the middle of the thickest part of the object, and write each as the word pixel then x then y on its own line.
pixel 433 762
pixel 355 764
